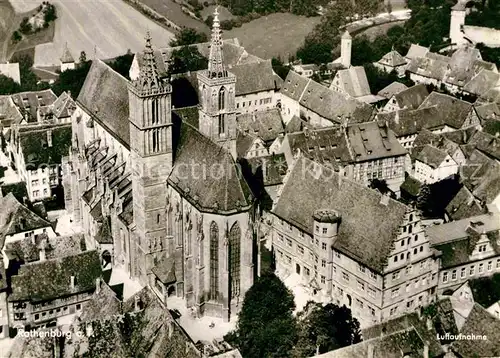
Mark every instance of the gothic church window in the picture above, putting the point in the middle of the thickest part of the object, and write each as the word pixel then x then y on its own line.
pixel 156 140
pixel 222 98
pixel 155 113
pixel 234 259
pixel 214 261
pixel 169 222
pixel 221 124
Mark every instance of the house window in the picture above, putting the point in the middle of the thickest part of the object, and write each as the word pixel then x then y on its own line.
pixel 490 265
pixel 482 248
pixel 317 228
pixel 395 275
pixel 462 272
pixel 323 246
pixel 481 268
pixel 373 275
pixel 214 261
pixel 454 275
pixel 325 230
pixel 323 263
pixel 300 249
pixel 361 285
pixel 371 291
pixel 471 270
pixel 308 272
pixel 345 276
pixel 445 276
pixel 234 259
pixel 289 242
pixel 323 279
pixel 361 268
pixel 395 292
pixel 337 254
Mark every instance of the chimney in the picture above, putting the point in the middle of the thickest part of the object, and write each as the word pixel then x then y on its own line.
pixel 396 117
pixel 264 170
pixel 370 351
pixel 384 199
pixel 98 285
pixel 72 282
pixel 137 304
pixel 426 350
pixel 429 324
pixel 49 138
pixel 42 253
pixel 22 224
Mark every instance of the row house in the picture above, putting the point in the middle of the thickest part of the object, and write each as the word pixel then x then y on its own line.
pixel 51 288
pixel 379 271
pixel 467 249
pixel 38 151
pixel 363 151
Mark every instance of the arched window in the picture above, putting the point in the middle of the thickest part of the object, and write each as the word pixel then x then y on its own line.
pixel 189 240
pixel 221 124
pixel 201 253
pixel 234 259
pixel 214 261
pixel 222 98
pixel 170 222
pixel 155 113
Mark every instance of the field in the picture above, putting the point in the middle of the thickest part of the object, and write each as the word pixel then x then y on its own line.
pixel 102 28
pixel 276 34
pixel 173 12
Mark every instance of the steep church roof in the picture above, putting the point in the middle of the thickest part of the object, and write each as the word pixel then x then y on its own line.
pixel 207 175
pixel 104 96
pixel 66 56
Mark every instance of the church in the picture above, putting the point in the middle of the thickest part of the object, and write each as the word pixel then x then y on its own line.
pixel 158 190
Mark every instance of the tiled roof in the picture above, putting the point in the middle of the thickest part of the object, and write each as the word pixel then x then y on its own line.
pixel 427 67
pixel 275 168
pixel 225 191
pixel 492 95
pixel 392 89
pixel 310 186
pixel 463 205
pixel 267 125
pixel 487 111
pixel 405 322
pixel 66 56
pixel 29 102
pixel 189 115
pixel 244 142
pixel 453 111
pixel 354 81
pixel 52 278
pixel 103 87
pixel 28 249
pixel 431 156
pixel 387 346
pixel 412 97
pixel 16 218
pixel 165 271
pixel 35 146
pixel 127 215
pixel 417 51
pixel 333 105
pixel 296 124
pixel 64 106
pixel 373 140
pixel 479 322
pixel 437 56
pixel 482 82
pixel 409 122
pixel 294 85
pixel 104 234
pixel 253 77
pixel 426 137
pixel 103 304
pixel 9 113
pixel 487 143
pixel 392 59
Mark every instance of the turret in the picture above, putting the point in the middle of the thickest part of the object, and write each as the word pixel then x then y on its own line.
pixel 345 49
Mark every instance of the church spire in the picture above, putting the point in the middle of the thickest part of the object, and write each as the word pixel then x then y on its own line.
pixel 149 79
pixel 216 68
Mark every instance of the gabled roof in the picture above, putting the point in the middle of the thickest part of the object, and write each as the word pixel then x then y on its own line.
pixel 412 98
pixel 296 124
pixel 103 87
pixel 16 218
pixel 274 168
pixel 294 85
pixel 452 111
pixel 441 142
pixel 416 51
pixel 30 102
pixel 66 56
pixel 9 113
pixel 427 67
pixel 392 59
pixel 487 111
pixel 51 279
pixel 244 142
pixel 392 89
pixel 64 106
pixel 226 191
pixel 253 77
pixel 479 322
pixel 165 271
pixel 464 205
pixel 431 156
pixel 266 125
pixel 310 186
pixel 482 82
pixel 409 122
pixel 354 81
pixel 486 143
pixel 35 146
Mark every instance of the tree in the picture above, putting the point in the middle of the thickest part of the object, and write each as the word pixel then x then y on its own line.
pixel 279 68
pixel 72 80
pixel 121 64
pixel 380 185
pixel 325 328
pixel 266 326
pixel 8 85
pixel 187 58
pixel 16 37
pixel 83 57
pixel 188 36
pixel 25 26
pixel 316 52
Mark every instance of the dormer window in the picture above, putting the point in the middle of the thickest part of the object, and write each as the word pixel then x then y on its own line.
pixel 482 248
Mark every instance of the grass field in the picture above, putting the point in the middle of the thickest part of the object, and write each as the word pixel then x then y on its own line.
pixel 276 34
pixel 107 28
pixel 173 12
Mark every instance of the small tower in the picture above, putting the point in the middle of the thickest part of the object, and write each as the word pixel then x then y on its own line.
pixel 345 49
pixel 151 154
pixel 456 23
pixel 67 61
pixel 326 226
pixel 218 96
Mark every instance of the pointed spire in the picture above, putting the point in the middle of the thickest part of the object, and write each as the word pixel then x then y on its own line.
pixel 66 55
pixel 149 79
pixel 216 66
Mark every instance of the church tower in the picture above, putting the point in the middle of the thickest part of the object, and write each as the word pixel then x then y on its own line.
pixel 218 96
pixel 151 160
pixel 345 49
